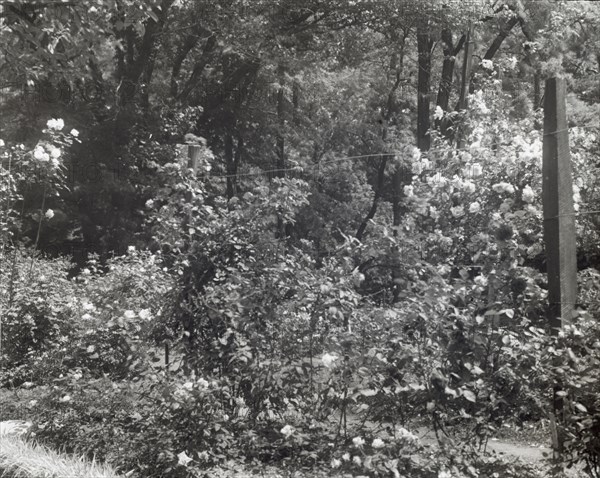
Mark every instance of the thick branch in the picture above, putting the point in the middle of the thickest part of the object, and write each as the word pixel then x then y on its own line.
pixel 196 76
pixel 495 46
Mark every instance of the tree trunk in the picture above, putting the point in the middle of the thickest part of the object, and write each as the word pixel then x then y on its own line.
pixel 444 125
pixel 424 45
pixel 378 193
pixel 230 166
pixel 280 139
pixel 466 77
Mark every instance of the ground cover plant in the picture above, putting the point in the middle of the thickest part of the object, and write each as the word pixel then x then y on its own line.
pixel 241 238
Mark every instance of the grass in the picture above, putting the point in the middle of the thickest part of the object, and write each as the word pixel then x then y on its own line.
pixel 20 459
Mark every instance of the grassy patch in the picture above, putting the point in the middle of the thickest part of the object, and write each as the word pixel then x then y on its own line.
pixel 19 459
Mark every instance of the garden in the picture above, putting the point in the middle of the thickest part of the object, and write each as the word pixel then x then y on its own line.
pixel 299 239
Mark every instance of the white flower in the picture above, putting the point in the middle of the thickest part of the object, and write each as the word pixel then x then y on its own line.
pixel 416 154
pixel 130 249
pixel 49 214
pixel 527 194
pixel 378 443
pixel 86 317
pixel 328 359
pixel 439 113
pixel 88 306
pixel 469 187
pixel 144 314
pixel 38 153
pixel 92 9
pixel 203 383
pixel 481 280
pixel 55 162
pixel 358 441
pixel 55 153
pixel 357 460
pixel 56 124
pixel 444 474
pixel 74 132
pixel 404 433
pixel 474 207
pixel 457 211
pixel 487 64
pixel 417 167
pixel 433 212
pixel 27 384
pixel 287 431
pixel 149 203
pixel 32 403
pixel 183 459
pixel 409 191
pixel 335 463
pixel 503 187
pixel 346 456
pixel 188 385
pixel 77 376
pixel 91 349
pixel 129 314
pixel 65 399
pixel 1 143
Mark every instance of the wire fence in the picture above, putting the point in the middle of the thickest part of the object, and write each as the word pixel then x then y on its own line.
pixel 270 173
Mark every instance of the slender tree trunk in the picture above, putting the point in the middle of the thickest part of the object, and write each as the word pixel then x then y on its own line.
pixel 230 165
pixel 424 45
pixel 466 77
pixel 537 91
pixel 280 139
pixel 396 66
pixel 444 125
pixel 398 179
pixel 378 193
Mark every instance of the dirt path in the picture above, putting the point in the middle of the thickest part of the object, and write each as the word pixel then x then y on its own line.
pixel 527 453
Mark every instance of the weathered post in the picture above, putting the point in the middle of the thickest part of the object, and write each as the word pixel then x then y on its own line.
pixel 559 226
pixel 194 151
pixel 559 214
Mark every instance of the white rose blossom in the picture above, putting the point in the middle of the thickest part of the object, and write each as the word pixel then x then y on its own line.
pixel 378 443
pixel 457 211
pixel 474 207
pixel 56 124
pixel 183 459
pixel 328 359
pixel 358 441
pixel 487 64
pixel 527 194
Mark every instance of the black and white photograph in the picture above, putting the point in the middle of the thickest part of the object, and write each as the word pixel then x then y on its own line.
pixel 299 239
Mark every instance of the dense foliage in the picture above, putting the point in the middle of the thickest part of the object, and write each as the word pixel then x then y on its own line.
pixel 255 232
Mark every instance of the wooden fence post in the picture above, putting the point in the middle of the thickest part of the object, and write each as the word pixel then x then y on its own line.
pixel 559 227
pixel 559 214
pixel 193 156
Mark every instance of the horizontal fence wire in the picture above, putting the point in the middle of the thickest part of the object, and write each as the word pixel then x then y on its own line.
pixel 306 169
